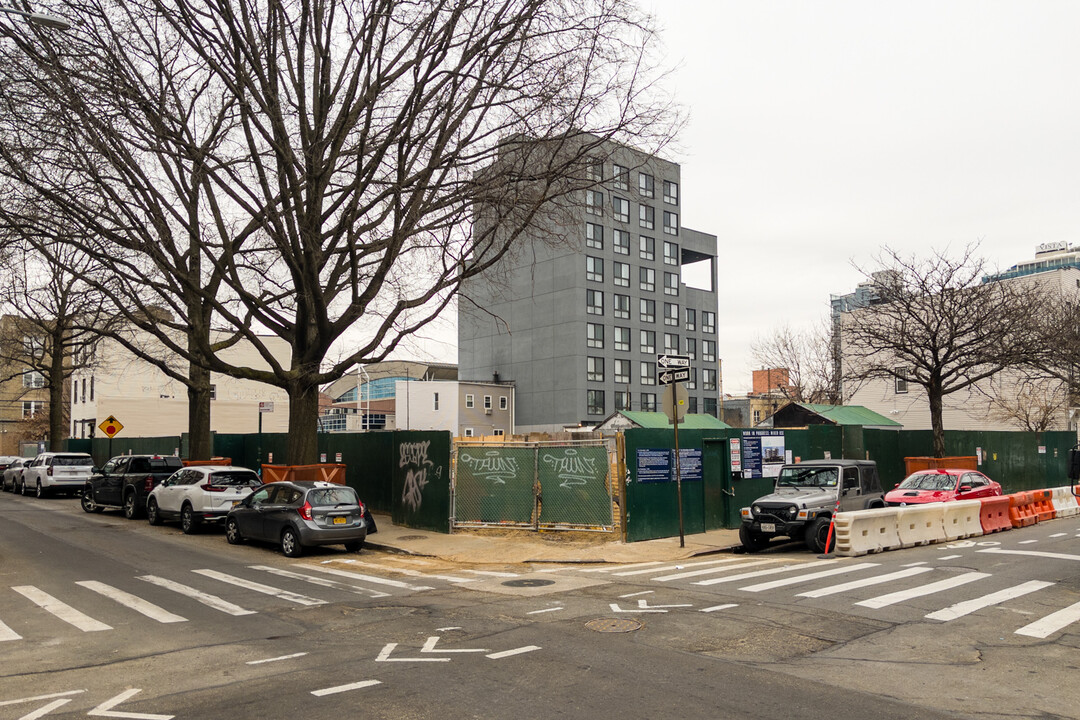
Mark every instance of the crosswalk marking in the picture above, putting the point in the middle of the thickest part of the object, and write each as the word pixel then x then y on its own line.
pixel 761 573
pixel 1032 553
pixel 1052 622
pixel 808 576
pixel 714 608
pixel 969 606
pixel 865 582
pixel 679 566
pixel 260 588
pixel 7 633
pixel 212 601
pixel 492 573
pixel 323 582
pixel 370 578
pixel 929 589
pixel 740 563
pixel 622 567
pixel 61 610
pixel 134 602
pixel 417 573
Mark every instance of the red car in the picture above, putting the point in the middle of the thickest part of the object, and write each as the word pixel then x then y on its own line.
pixel 926 486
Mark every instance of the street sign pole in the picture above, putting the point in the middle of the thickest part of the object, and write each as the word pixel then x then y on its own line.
pixel 678 475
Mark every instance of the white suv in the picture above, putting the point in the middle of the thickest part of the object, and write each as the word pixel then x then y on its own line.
pixel 56 472
pixel 200 493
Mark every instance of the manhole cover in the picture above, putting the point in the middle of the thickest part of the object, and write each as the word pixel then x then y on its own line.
pixel 411 537
pixel 528 582
pixel 613 625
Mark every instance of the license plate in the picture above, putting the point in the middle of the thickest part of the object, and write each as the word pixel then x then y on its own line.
pixel 340 521
pixel 768 527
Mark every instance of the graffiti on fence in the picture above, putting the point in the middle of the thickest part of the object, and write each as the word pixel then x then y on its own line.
pixel 414 457
pixel 491 466
pixel 571 469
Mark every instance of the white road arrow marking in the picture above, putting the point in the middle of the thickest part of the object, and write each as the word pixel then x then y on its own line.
pixel 50 696
pixel 45 709
pixel 615 608
pixel 642 604
pixel 384 656
pixel 515 651
pixel 429 647
pixel 105 709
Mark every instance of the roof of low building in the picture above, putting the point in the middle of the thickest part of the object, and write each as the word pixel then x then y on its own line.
pixel 692 421
pixel 847 415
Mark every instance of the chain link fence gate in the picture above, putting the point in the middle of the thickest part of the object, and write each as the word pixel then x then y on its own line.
pixel 545 485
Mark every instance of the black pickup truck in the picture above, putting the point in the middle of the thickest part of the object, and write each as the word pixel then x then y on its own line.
pixel 125 481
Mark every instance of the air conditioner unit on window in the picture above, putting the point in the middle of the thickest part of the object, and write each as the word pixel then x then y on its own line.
pixel 487 411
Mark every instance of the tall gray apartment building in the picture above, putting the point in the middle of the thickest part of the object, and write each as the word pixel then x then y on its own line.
pixel 577 325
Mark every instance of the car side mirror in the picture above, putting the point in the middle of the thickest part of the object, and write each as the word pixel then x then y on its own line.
pixel 965 488
pixel 896 486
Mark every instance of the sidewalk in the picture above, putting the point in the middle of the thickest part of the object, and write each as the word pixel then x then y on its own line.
pixel 521 546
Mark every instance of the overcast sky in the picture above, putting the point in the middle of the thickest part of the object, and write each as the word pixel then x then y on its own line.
pixel 822 129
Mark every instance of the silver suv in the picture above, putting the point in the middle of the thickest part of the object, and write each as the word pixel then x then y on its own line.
pixel 805 498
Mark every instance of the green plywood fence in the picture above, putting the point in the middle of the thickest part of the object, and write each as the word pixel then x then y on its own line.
pixel 421 479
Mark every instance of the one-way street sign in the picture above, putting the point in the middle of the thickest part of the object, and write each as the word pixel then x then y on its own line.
pixel 667 377
pixel 672 361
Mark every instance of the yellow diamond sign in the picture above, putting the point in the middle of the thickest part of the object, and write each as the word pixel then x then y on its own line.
pixel 110 426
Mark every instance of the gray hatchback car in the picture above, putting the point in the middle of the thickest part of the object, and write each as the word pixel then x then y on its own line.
pixel 296 515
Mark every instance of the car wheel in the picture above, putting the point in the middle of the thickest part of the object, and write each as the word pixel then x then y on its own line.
pixel 354 546
pixel 152 513
pixel 751 540
pixel 232 532
pixel 87 502
pixel 131 509
pixel 818 534
pixel 39 492
pixel 290 544
pixel 188 522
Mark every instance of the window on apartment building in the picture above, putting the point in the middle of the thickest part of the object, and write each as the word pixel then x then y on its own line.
pixel 648 310
pixel 487 402
pixel 92 388
pixel 504 403
pixel 470 401
pixel 691 405
pixel 620 177
pixel 671 343
pixel 691 348
pixel 594 269
pixel 708 379
pixel 620 274
pixel 594 302
pixel 648 373
pixel 671 192
pixel 691 319
pixel 647 279
pixel 30 408
pixel 435 399
pixel 646 247
pixel 648 402
pixel 646 185
pixel 622 400
pixel 594 236
pixel 620 208
pixel 691 384
pixel 757 416
pixel 621 307
pixel 468 432
pixel 622 371
pixel 33 379
pixel 74 392
pixel 709 406
pixel 648 341
pixel 620 242
pixel 671 223
pixel 671 283
pixel 34 347
pixel 708 321
pixel 901 383
pixel 708 351
pixel 646 217
pixel 622 339
pixel 671 314
pixel 595 171
pixel 213 390
pixel 594 335
pixel 594 202
pixel 84 389
pixel 671 253
pixel 498 432
pixel 595 367
pixel 595 402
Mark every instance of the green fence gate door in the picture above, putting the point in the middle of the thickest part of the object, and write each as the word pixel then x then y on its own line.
pixel 494 485
pixel 421 480
pixel 574 486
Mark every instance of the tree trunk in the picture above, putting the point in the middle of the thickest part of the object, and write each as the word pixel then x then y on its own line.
pixel 58 423
pixel 200 446
pixel 303 448
pixel 937 424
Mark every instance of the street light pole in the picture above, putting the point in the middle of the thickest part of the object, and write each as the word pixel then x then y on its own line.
pixel 49 21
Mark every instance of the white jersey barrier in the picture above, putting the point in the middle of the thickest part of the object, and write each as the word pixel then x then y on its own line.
pixel 961 519
pixel 920 524
pixel 1064 502
pixel 866 531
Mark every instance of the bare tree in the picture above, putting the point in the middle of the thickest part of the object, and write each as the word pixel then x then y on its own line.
pixel 306 168
pixel 807 355
pixel 938 326
pixel 1030 402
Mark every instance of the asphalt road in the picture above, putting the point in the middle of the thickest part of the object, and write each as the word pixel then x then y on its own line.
pixel 105 617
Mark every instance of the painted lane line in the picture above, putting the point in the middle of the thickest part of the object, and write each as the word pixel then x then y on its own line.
pixel 322 582
pixel 916 564
pixel 644 592
pixel 211 601
pixel 865 582
pixel 429 647
pixel 491 573
pixel 136 603
pixel 1052 622
pixel 714 608
pixel 105 709
pixel 1059 535
pixel 45 709
pixel 622 567
pixel 1027 542
pixel 1032 553
pixel 950 557
pixel 260 588
pixel 346 688
pixel 371 579
pixel 961 609
pixel 454 627
pixel 713 570
pixel 417 573
pixel 63 611
pixel 545 610
pixel 276 659
pixel 7 633
pixel 808 576
pixel 515 651
pixel 922 590
pixel 762 573
pixel 615 608
pixel 384 656
pixel 644 605
pixel 50 696
pixel 680 566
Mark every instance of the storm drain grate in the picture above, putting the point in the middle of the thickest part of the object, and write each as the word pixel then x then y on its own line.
pixel 528 582
pixel 613 625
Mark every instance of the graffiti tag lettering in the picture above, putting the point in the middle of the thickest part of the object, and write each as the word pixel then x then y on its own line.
pixel 571 469
pixel 491 466
pixel 414 457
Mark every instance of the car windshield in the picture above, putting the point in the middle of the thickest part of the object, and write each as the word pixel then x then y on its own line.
pixel 332 496
pixel 234 478
pixel 928 481
pixel 807 477
pixel 73 461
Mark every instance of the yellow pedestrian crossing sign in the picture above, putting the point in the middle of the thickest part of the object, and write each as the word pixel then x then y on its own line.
pixel 110 426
